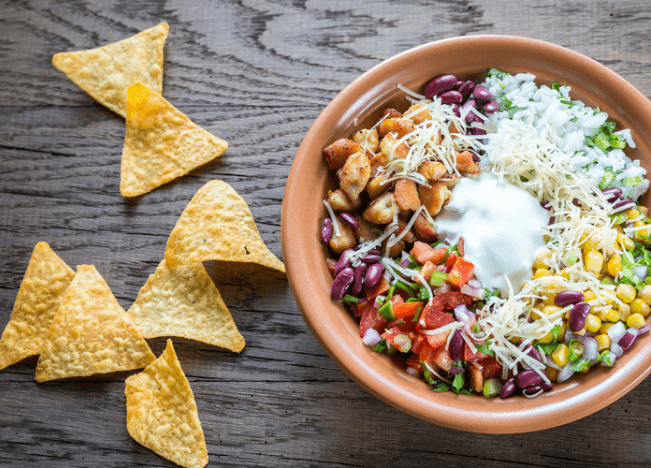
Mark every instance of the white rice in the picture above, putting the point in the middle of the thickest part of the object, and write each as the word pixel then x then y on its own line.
pixel 567 123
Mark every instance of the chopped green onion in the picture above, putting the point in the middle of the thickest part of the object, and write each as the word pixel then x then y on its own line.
pixel 580 365
pixel 576 349
pixel 607 178
pixel 402 342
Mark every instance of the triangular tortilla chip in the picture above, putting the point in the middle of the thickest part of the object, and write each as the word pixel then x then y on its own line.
pixel 46 279
pixel 90 333
pixel 160 143
pixel 106 72
pixel 184 302
pixel 218 225
pixel 162 414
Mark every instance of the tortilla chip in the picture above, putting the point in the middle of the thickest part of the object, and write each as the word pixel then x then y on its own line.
pixel 162 414
pixel 106 72
pixel 46 279
pixel 90 333
pixel 218 225
pixel 161 143
pixel 184 302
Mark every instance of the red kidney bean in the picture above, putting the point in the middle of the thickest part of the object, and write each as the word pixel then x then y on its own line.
pixel 547 386
pixel 622 202
pixel 478 131
pixel 358 280
pixel 350 219
pixel 527 378
pixel 371 258
pixel 552 220
pixel 456 342
pixel 455 109
pixel 533 389
pixel 439 85
pixel 343 262
pixel 565 298
pixel 466 88
pixel 326 230
pixel 373 274
pixel 451 97
pixel 471 116
pixel 481 93
pixel 533 352
pixel 612 193
pixel 475 157
pixel 508 388
pixel 491 107
pixel 546 204
pixel 341 283
pixel 458 84
pixel 578 314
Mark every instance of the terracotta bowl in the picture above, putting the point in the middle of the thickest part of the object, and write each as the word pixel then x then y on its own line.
pixel 359 106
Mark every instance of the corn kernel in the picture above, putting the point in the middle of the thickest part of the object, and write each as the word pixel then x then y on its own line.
pixel 550 309
pixel 536 313
pixel 612 315
pixel 607 298
pixel 551 373
pixel 592 323
pixel 540 272
pixel 603 342
pixel 626 293
pixel 561 355
pixel 546 310
pixel 561 332
pixel 543 255
pixel 589 295
pixel 615 265
pixel 604 327
pixel 641 232
pixel 645 293
pixel 589 245
pixel 632 213
pixel 636 321
pixel 625 241
pixel 548 298
pixel 593 261
pixel 548 338
pixel 564 273
pixel 638 306
pixel 624 312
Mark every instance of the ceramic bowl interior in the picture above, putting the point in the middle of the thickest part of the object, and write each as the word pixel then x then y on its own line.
pixel 359 106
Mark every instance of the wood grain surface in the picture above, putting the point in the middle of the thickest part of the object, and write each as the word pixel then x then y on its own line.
pixel 257 74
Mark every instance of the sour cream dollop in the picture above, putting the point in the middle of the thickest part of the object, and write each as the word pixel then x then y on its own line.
pixel 501 226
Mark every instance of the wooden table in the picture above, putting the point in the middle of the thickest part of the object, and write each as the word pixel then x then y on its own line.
pixel 256 74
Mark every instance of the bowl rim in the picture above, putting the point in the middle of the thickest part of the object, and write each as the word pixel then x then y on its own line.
pixel 568 403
